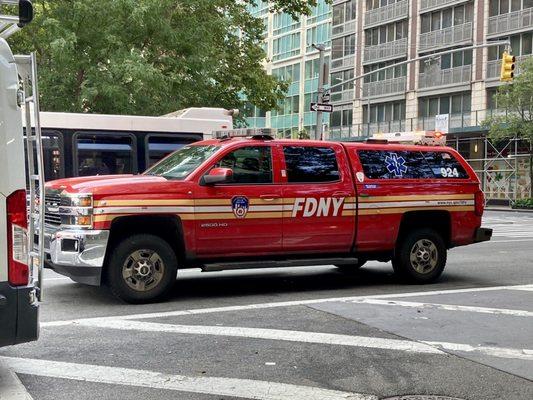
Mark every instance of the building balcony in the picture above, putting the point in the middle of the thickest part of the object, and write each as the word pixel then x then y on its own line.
pixel 346 96
pixel 385 88
pixel 383 15
pixel 343 63
pixel 343 29
pixel 385 51
pixel 510 22
pixel 445 77
pixel 452 36
pixel 430 5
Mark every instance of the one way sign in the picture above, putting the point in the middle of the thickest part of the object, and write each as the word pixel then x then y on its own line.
pixel 321 107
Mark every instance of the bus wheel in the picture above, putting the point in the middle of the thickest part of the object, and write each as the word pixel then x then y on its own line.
pixel 142 269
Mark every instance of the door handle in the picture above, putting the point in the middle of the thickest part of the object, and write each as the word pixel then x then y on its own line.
pixel 341 194
pixel 269 197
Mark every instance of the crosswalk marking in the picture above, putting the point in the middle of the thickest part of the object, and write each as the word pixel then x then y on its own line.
pixel 259 306
pixel 231 387
pixel 423 347
pixel 447 307
pixel 270 334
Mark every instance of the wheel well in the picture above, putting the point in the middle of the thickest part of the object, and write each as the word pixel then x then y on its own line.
pixel 168 228
pixel 439 221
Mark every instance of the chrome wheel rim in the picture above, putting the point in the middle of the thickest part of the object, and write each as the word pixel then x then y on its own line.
pixel 424 256
pixel 143 270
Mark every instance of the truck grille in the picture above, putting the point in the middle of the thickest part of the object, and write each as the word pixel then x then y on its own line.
pixel 52 201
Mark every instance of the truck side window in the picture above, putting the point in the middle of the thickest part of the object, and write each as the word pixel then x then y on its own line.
pixel 311 164
pixel 249 164
pixel 445 165
pixel 381 164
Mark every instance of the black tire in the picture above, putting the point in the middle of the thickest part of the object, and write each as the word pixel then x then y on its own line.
pixel 424 263
pixel 153 274
pixel 348 268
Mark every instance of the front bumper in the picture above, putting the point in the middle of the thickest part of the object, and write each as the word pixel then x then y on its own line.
pixel 76 253
pixel 482 235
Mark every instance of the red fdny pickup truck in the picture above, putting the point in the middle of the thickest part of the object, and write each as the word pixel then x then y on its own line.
pixel 249 202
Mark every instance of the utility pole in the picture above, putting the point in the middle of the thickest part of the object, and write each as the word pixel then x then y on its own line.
pixel 322 68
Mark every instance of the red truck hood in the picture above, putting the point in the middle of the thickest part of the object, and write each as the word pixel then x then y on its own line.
pixel 114 184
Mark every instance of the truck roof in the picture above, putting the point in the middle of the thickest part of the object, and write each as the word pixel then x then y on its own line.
pixel 307 142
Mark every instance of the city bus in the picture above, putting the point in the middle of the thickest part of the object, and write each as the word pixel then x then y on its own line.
pixel 97 144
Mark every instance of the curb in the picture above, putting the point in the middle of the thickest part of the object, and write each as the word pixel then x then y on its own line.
pixel 508 209
pixel 11 388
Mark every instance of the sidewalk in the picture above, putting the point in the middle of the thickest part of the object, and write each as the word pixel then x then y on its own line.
pixel 508 209
pixel 11 388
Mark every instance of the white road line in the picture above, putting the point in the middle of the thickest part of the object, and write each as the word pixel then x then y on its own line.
pixel 501 352
pixel 447 307
pixel 410 346
pixel 245 388
pixel 270 334
pixel 275 305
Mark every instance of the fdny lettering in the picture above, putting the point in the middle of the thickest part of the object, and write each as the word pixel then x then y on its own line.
pixel 322 207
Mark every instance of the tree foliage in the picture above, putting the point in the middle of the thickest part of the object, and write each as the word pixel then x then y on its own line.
pixel 151 57
pixel 515 101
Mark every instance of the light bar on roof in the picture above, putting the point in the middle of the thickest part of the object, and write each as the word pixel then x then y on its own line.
pixel 427 138
pixel 244 132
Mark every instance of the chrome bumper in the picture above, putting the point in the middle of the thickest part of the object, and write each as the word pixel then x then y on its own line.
pixel 76 253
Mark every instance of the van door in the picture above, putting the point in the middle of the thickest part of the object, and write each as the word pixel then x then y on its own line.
pixel 319 199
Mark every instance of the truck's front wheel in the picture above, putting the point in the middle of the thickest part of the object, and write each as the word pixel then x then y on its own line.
pixel 420 257
pixel 142 269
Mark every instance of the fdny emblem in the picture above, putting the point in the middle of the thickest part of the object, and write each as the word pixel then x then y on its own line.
pixel 240 205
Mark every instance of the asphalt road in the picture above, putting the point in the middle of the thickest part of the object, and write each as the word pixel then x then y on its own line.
pixel 299 334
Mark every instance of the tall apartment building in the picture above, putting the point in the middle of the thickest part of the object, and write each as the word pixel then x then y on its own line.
pixel 290 56
pixel 371 34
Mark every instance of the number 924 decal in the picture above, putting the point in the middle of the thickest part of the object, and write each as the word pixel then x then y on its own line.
pixel 449 172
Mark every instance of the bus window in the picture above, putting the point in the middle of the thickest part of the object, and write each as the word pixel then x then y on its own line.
pixel 104 154
pixel 159 146
pixel 52 144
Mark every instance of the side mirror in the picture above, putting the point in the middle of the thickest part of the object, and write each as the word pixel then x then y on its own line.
pixel 218 175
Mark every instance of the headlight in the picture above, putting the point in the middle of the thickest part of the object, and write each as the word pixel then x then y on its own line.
pixel 76 210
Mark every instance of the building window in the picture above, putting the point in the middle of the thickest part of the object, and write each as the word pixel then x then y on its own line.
pixel 522 45
pixel 289 73
pixel 443 19
pixel 319 13
pixel 499 7
pixel 284 23
pixel 384 112
pixel 390 73
pixel 373 4
pixel 289 105
pixel 386 33
pixel 344 12
pixel 447 61
pixel 286 46
pixel 318 34
pixel 342 118
pixel 342 47
pixel 459 103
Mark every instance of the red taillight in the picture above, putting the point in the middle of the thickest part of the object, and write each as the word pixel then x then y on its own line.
pixel 480 203
pixel 17 239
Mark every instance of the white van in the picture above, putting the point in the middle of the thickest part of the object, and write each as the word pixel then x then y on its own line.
pixel 18 295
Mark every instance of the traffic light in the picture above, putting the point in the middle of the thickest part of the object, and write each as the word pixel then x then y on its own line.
pixel 508 65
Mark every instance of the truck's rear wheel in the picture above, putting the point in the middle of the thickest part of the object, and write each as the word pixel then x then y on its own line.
pixel 420 257
pixel 142 269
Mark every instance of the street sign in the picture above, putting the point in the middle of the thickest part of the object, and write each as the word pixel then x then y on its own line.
pixel 326 97
pixel 321 107
pixel 442 122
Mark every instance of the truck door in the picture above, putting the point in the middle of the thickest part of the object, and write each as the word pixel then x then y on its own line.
pixel 242 218
pixel 319 199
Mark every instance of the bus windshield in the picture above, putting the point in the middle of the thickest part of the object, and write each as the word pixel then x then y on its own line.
pixel 183 162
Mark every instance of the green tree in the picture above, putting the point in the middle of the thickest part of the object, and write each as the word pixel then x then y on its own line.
pixel 516 119
pixel 151 57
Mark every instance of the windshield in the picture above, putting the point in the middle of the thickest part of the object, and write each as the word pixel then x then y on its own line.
pixel 183 162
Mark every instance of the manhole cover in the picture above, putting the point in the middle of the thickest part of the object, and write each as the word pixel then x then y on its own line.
pixel 422 397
